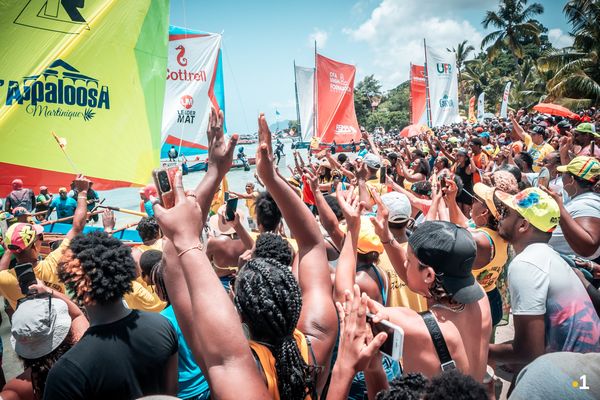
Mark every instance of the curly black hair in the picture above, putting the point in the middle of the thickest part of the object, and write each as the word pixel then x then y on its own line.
pixel 269 301
pixel 148 229
pixel 148 260
pixel 453 385
pixel 272 245
pixel 406 387
pixel 97 269
pixel 334 204
pixel 267 212
pixel 40 367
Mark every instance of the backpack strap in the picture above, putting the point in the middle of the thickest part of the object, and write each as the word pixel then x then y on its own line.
pixel 439 343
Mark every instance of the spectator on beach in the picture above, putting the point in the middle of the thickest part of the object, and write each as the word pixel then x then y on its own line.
pixel 42 202
pixel 19 197
pixel 64 205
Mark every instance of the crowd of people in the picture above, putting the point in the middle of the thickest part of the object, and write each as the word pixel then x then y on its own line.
pixel 428 242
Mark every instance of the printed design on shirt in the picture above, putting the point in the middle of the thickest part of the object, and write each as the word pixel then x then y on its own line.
pixel 572 325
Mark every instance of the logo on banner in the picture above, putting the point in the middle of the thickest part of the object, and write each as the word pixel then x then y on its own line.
pixel 186 116
pixel 444 68
pixel 344 129
pixel 445 102
pixel 61 91
pixel 53 15
pixel 338 84
pixel 181 60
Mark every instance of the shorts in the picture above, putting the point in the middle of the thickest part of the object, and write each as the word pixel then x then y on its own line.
pixel 495 299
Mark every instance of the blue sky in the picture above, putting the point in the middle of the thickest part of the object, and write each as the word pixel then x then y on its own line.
pixel 261 39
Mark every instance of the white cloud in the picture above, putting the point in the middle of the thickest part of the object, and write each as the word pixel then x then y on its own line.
pixel 559 39
pixel 318 36
pixel 395 32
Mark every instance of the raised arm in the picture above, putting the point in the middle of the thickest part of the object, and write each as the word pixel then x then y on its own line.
pixel 79 218
pixel 318 316
pixel 218 344
pixel 456 215
pixel 220 157
pixel 517 128
pixel 326 214
pixel 345 272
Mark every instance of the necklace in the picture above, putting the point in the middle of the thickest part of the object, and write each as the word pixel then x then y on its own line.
pixel 456 309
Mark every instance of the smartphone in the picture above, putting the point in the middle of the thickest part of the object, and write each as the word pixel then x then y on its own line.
pixel 382 174
pixel 163 180
pixel 230 208
pixel 395 337
pixel 25 276
pixel 543 178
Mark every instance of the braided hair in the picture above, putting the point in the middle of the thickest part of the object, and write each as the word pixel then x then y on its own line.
pixel 269 300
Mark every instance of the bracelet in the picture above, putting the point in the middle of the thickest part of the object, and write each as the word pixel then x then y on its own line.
pixel 389 241
pixel 199 246
pixel 82 197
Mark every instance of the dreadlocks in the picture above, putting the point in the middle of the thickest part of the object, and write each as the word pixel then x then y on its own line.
pixel 269 300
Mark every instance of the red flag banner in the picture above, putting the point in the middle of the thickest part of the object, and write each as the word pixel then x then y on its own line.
pixel 336 117
pixel 417 94
pixel 472 119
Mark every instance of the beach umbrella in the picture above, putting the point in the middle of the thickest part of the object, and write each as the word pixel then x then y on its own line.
pixel 555 109
pixel 413 130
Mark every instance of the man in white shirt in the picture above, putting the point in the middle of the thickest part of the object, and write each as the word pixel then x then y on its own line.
pixel 552 311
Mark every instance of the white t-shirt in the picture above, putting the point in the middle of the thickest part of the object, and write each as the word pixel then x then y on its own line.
pixel 542 283
pixel 584 205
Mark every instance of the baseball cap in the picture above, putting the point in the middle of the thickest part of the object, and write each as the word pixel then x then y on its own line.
pixel 565 125
pixel 479 129
pixel 372 161
pixel 587 127
pixel 17 184
pixel 20 236
pixel 450 250
pixel 583 167
pixel 485 135
pixel 398 206
pixel 18 211
pixel 535 205
pixel 62 190
pixel 39 326
pixel 462 152
pixel 368 240
pixel 486 193
pixel 43 188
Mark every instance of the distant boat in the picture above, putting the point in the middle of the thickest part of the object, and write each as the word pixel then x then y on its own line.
pixel 247 139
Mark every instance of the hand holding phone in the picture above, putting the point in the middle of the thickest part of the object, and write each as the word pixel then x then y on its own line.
pixel 25 276
pixel 163 180
pixel 394 343
pixel 231 208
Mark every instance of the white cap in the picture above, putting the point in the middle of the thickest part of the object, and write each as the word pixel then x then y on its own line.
pixel 398 206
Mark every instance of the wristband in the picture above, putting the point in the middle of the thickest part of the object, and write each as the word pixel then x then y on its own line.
pixel 82 197
pixel 389 241
pixel 199 246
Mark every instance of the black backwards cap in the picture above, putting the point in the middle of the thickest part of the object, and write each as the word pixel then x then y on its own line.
pixel 450 250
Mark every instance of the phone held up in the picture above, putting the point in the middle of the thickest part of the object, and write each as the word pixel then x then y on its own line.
pixel 230 207
pixel 163 180
pixel 395 337
pixel 25 276
pixel 382 174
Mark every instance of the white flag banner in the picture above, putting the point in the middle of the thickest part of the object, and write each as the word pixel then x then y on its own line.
pixel 504 107
pixel 190 91
pixel 305 84
pixel 442 80
pixel 481 107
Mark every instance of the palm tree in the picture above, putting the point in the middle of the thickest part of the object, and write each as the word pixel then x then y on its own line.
pixel 514 23
pixel 461 52
pixel 577 67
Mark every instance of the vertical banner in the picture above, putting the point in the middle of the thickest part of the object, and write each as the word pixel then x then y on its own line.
pixel 504 107
pixel 194 85
pixel 472 118
pixel 442 79
pixel 336 117
pixel 481 107
pixel 305 84
pixel 418 95
pixel 93 73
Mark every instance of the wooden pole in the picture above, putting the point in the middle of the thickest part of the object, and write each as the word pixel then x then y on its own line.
pixel 124 210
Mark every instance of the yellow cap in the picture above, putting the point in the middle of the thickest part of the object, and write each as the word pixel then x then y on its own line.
pixel 583 167
pixel 535 205
pixel 368 240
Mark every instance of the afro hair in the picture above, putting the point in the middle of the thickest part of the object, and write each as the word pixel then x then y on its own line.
pixel 267 212
pixel 148 229
pixel 97 268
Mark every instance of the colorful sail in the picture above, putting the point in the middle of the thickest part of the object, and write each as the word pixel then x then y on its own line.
pixel 472 118
pixel 442 81
pixel 504 107
pixel 305 85
pixel 336 117
pixel 194 85
pixel 93 72
pixel 418 94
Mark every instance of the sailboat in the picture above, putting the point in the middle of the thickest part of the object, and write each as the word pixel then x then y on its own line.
pixel 325 104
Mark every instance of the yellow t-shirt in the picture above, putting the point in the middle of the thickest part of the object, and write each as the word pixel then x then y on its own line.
pixel 487 276
pixel 537 151
pixel 144 298
pixel 45 270
pixel 251 205
pixel 399 295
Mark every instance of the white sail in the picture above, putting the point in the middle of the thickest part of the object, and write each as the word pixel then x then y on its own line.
pixel 305 83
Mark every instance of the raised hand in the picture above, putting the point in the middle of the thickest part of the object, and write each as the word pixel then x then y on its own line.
pixel 108 220
pixel 183 223
pixel 362 173
pixel 313 180
pixel 264 152
pixel 81 184
pixel 380 221
pixel 351 207
pixel 220 154
pixel 451 189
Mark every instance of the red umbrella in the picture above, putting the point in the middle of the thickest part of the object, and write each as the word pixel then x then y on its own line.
pixel 555 109
pixel 413 130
